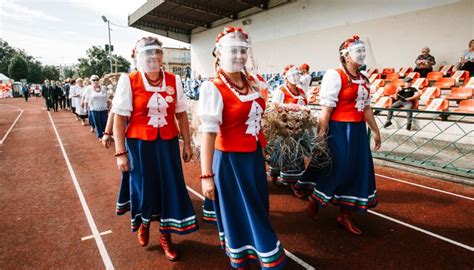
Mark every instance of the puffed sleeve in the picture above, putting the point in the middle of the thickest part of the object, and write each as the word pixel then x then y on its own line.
pixel 210 107
pixel 122 102
pixel 182 101
pixel 330 88
pixel 278 96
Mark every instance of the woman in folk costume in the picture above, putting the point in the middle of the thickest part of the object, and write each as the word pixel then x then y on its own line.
pixel 232 161
pixel 289 93
pixel 152 100
pixel 345 99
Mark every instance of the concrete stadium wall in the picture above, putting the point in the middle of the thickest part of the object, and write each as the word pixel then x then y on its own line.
pixel 311 31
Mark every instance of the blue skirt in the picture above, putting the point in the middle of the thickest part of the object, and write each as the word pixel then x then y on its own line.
pixel 99 118
pixel 350 181
pixel 123 201
pixel 241 209
pixel 157 190
pixel 91 119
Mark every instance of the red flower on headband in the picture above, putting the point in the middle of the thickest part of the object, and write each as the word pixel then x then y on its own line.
pixel 288 67
pixel 351 40
pixel 231 29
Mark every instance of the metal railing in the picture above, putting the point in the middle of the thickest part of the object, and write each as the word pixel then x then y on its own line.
pixel 442 141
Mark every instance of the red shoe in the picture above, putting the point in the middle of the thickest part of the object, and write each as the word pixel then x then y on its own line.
pixel 143 235
pixel 344 221
pixel 298 193
pixel 313 209
pixel 170 253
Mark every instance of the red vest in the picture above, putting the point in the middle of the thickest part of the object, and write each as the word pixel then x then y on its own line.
pixel 233 136
pixel 289 97
pixel 138 127
pixel 345 110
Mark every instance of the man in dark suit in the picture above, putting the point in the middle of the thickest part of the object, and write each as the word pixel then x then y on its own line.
pixel 46 90
pixel 56 92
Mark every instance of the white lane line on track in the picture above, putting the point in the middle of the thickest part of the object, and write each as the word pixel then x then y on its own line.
pixel 95 232
pixel 11 127
pixel 426 187
pixel 422 230
pixel 92 236
pixel 289 254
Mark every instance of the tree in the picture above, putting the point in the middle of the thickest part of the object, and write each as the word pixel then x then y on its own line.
pixel 69 72
pixel 18 68
pixel 97 62
pixel 51 73
pixel 35 72
pixel 6 54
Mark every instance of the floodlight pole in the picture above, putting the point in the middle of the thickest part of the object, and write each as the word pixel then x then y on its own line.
pixel 110 42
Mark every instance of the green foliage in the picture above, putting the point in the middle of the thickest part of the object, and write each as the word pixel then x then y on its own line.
pixel 50 73
pixel 18 68
pixel 6 54
pixel 97 62
pixel 35 72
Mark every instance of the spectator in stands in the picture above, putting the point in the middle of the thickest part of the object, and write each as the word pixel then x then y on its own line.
pixel 467 60
pixel 405 98
pixel 305 79
pixel 424 62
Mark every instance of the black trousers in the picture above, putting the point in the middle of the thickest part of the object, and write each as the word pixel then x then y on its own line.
pixel 468 66
pixel 423 71
pixel 54 103
pixel 26 97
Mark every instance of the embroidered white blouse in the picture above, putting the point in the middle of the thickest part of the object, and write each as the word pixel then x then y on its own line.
pixel 211 104
pixel 331 86
pixel 122 102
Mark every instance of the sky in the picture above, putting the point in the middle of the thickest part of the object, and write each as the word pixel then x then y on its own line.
pixel 59 32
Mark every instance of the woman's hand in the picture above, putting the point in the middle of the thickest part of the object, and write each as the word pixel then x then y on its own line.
pixel 123 164
pixel 106 140
pixel 208 188
pixel 187 152
pixel 377 141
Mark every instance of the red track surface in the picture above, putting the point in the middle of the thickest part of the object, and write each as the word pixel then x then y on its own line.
pixel 43 220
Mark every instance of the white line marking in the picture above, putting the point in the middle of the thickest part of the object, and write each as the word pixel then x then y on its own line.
pixel 11 127
pixel 100 244
pixel 289 254
pixel 422 230
pixel 92 236
pixel 430 188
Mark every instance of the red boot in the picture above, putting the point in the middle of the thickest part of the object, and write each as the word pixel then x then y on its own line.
pixel 143 235
pixel 298 193
pixel 313 209
pixel 170 253
pixel 344 220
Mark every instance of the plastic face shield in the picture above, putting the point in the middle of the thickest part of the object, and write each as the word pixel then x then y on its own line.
pixel 357 53
pixel 233 49
pixel 293 75
pixel 149 58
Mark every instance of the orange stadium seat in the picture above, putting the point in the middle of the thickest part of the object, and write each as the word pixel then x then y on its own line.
pixel 383 102
pixel 465 106
pixel 446 70
pixel 445 83
pixel 398 82
pixel 428 94
pixel 420 83
pixel 374 77
pixel 460 93
pixel 389 90
pixel 437 104
pixel 404 71
pixel 386 71
pixel 460 75
pixel 434 75
pixel 392 76
pixel 469 83
pixel 413 75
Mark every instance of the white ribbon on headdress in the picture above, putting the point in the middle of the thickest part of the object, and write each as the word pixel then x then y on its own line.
pixel 149 47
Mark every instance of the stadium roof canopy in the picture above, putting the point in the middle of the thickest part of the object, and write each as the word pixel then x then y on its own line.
pixel 178 19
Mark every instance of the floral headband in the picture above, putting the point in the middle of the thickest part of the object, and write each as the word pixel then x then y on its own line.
pixel 350 42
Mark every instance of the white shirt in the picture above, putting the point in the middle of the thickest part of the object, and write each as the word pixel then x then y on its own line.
pixel 97 100
pixel 122 104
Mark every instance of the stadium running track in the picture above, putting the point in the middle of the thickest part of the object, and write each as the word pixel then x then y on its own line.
pixel 58 192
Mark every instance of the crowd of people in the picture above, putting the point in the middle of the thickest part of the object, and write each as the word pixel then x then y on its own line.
pixel 148 114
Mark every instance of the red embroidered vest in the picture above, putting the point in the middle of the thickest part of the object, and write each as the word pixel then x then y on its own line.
pixel 138 127
pixel 345 110
pixel 289 97
pixel 233 136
